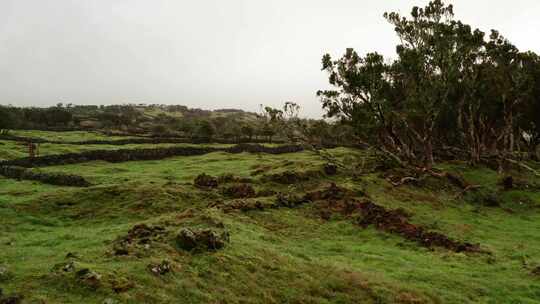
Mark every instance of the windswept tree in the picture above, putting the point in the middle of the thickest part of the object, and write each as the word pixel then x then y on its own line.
pixel 449 85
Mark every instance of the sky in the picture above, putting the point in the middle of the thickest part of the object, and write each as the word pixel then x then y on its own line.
pixel 206 54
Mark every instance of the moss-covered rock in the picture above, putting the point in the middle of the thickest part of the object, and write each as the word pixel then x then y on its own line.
pixel 204 239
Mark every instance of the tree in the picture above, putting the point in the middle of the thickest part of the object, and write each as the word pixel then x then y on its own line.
pixel 447 86
pixel 8 120
pixel 248 131
pixel 204 131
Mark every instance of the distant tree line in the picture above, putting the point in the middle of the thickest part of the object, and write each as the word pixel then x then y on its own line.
pixel 450 88
pixel 13 118
pixel 171 121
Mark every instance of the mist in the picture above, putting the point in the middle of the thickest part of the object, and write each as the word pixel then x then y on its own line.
pixel 206 54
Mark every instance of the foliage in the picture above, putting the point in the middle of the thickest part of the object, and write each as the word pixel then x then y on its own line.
pixel 448 86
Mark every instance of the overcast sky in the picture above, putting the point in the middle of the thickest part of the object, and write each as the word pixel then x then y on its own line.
pixel 206 53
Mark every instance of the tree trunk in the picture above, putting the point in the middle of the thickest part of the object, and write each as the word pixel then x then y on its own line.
pixel 429 153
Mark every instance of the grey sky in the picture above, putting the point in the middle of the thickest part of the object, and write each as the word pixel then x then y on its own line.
pixel 206 53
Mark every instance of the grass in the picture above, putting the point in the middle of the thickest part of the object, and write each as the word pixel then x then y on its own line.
pixel 71 136
pixel 275 256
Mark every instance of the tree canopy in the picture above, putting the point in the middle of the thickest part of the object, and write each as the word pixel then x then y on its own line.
pixel 449 86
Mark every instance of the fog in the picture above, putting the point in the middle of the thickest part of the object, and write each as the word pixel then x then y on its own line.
pixel 207 54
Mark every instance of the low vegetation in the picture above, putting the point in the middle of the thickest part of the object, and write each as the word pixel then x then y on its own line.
pixel 422 188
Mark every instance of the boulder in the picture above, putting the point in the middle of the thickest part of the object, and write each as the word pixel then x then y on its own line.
pixel 205 239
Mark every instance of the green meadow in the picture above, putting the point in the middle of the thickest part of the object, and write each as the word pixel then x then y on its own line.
pixel 275 255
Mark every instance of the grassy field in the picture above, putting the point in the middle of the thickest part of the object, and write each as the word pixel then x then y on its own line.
pixel 71 136
pixel 283 255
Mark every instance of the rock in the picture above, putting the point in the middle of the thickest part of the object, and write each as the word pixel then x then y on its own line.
pixel 160 269
pixel 206 239
pixel 88 278
pixel 205 181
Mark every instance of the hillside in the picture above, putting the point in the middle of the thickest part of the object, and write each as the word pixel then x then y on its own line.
pixel 271 228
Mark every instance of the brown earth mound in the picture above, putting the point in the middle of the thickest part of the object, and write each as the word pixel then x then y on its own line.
pixel 396 221
pixel 205 239
pixel 337 199
pixel 205 181
pixel 240 191
pixel 140 236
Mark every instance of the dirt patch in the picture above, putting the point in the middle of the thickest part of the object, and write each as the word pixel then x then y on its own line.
pixel 205 181
pixel 366 213
pixel 536 271
pixel 240 191
pixel 205 239
pixel 139 237
pixel 396 221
